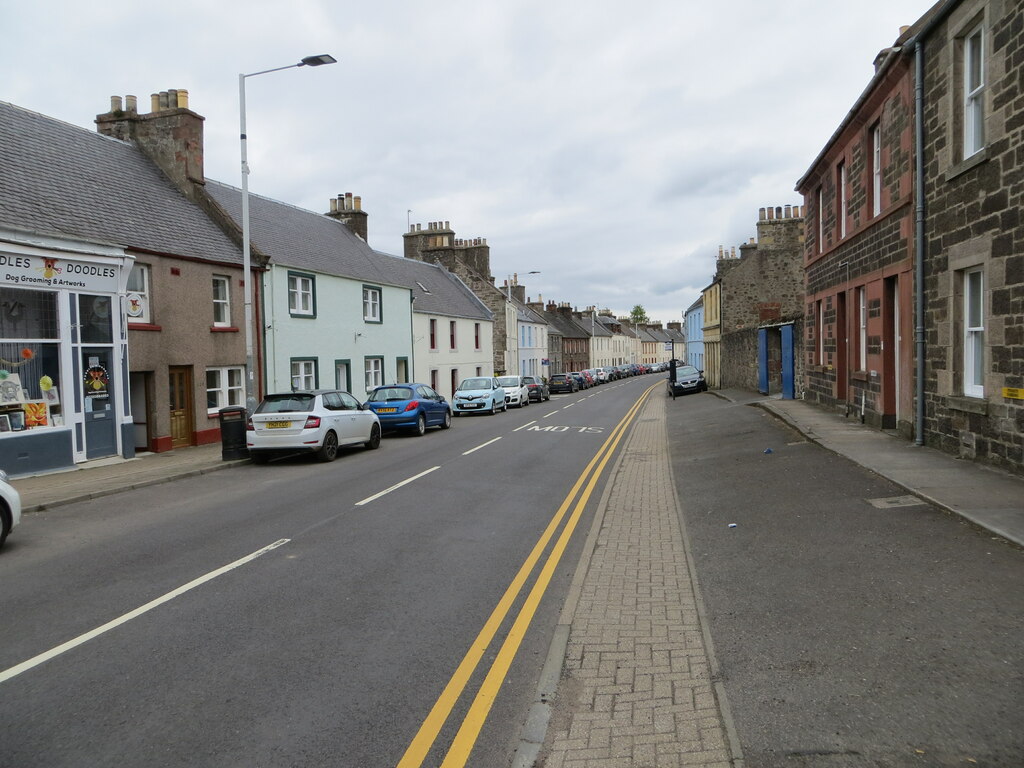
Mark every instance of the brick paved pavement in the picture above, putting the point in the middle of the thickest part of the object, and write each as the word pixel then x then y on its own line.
pixel 636 687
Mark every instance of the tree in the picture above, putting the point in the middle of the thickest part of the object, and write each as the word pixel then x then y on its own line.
pixel 639 315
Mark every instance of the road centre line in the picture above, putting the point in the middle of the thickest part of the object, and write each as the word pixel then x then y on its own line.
pixel 518 428
pixel 548 416
pixel 439 713
pixel 482 445
pixel 35 661
pixel 396 486
pixel 570 405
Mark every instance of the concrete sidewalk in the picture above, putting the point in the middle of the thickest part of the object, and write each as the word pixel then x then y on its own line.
pixel 987 497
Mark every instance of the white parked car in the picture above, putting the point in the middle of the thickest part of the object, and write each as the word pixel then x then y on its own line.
pixel 517 393
pixel 318 421
pixel 10 507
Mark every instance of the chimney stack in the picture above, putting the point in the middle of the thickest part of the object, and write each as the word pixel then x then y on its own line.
pixel 171 135
pixel 348 209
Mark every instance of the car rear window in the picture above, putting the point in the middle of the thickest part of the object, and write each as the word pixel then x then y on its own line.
pixel 509 381
pixel 390 394
pixel 286 403
pixel 558 377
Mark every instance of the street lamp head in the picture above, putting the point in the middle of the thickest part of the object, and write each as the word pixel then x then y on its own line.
pixel 316 61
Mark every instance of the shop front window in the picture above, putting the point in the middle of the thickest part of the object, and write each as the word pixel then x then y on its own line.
pixel 29 360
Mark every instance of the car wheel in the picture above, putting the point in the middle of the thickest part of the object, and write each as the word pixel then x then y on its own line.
pixel 259 457
pixel 421 426
pixel 447 422
pixel 374 442
pixel 329 450
pixel 494 409
pixel 504 406
pixel 5 524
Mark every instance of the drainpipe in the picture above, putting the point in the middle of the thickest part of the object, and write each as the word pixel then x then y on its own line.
pixel 919 242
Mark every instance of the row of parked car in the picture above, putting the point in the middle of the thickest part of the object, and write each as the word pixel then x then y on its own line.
pixel 574 381
pixel 322 421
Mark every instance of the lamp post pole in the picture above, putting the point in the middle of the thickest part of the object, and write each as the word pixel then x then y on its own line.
pixel 309 61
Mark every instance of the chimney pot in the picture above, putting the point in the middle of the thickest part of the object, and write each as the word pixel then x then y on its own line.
pixel 115 103
pixel 183 99
pixel 761 215
pixel 357 201
pixel 131 104
pixel 154 102
pixel 334 205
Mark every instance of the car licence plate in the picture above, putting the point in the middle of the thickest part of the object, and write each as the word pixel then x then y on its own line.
pixel 278 424
pixel 472 405
pixel 387 410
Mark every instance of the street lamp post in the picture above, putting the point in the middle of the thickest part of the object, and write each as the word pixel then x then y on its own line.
pixel 309 61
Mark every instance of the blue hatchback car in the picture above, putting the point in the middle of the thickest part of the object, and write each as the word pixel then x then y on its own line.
pixel 412 407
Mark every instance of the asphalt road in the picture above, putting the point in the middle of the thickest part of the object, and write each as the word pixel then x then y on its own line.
pixel 847 634
pixel 289 614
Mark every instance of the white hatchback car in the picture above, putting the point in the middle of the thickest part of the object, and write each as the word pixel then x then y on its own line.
pixel 10 507
pixel 317 421
pixel 516 391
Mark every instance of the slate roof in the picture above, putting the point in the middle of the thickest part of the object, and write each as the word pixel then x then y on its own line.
pixel 436 291
pixel 299 238
pixel 569 327
pixel 59 179
pixel 296 237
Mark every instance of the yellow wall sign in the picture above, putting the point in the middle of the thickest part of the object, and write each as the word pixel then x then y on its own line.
pixel 1013 393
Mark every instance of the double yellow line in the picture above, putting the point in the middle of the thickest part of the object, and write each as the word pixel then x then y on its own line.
pixel 469 731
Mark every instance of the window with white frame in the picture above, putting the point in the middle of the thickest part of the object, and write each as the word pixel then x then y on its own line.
pixel 303 374
pixel 974 92
pixel 138 294
pixel 862 329
pixel 301 295
pixel 374 369
pixel 876 169
pixel 221 301
pixel 371 304
pixel 225 387
pixel 974 333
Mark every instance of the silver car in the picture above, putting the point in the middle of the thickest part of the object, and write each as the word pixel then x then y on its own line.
pixel 10 507
pixel 316 421
pixel 517 393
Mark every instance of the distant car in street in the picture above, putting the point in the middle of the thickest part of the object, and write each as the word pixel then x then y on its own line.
pixel 10 507
pixel 479 394
pixel 412 407
pixel 562 382
pixel 315 421
pixel 688 379
pixel 516 391
pixel 577 376
pixel 538 389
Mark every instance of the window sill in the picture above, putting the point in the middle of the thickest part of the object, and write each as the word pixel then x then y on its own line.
pixel 223 329
pixel 144 327
pixel 302 316
pixel 964 166
pixel 968 405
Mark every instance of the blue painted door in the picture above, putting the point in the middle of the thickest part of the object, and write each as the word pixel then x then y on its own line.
pixel 788 364
pixel 762 361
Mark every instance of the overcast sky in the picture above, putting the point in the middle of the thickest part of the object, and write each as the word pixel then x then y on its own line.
pixel 610 146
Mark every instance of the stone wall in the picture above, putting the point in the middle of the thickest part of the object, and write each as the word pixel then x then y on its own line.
pixel 974 221
pixel 763 287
